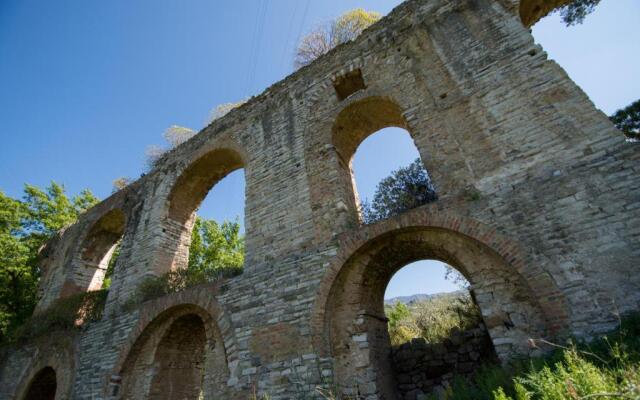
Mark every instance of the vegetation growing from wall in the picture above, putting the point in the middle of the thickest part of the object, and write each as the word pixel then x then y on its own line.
pixel 66 313
pixel 404 189
pixel 25 225
pixel 176 281
pixel 325 37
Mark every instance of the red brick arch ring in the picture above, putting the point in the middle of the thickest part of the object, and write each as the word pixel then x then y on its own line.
pixel 438 232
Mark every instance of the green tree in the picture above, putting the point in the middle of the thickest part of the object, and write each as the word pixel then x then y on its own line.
pixel 25 225
pixel 216 247
pixel 628 120
pixel 403 190
pixel 17 278
pixel 575 12
pixel 327 36
pixel 397 313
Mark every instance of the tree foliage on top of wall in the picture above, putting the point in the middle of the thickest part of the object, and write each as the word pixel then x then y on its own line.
pixel 576 11
pixel 325 37
pixel 175 135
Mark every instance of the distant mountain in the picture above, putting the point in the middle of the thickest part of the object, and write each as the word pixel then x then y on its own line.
pixel 422 297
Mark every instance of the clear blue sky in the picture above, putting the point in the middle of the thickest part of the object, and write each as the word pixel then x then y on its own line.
pixel 85 86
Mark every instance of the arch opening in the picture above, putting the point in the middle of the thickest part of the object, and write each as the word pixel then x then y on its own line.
pixel 435 328
pixel 365 135
pixel 98 251
pixel 180 355
pixel 191 194
pixel 43 385
pixel 354 316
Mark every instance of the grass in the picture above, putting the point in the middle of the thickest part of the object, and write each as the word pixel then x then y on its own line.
pixel 608 368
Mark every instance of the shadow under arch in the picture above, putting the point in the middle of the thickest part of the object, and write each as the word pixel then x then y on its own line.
pixel 349 322
pixel 166 324
pixel 43 385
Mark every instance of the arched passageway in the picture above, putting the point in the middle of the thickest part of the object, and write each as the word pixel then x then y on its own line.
pixel 355 326
pixel 43 385
pixel 435 329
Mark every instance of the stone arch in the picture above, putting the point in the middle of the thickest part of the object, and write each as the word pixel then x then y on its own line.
pixel 353 124
pixel 187 193
pixel 532 11
pixel 95 252
pixel 52 371
pixel 158 335
pixel 518 301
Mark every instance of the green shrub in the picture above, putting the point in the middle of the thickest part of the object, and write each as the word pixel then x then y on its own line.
pixel 606 368
pixel 433 319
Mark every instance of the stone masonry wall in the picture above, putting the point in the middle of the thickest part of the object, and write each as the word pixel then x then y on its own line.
pixel 422 368
pixel 539 206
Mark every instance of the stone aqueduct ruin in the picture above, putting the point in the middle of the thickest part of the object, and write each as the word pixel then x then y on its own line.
pixel 548 237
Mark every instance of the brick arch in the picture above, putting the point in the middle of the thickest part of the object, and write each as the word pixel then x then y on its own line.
pixel 209 166
pixel 56 354
pixel 188 188
pixel 156 319
pixel 517 299
pixel 358 119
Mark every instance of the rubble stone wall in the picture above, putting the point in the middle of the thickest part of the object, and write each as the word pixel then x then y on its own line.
pixel 422 368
